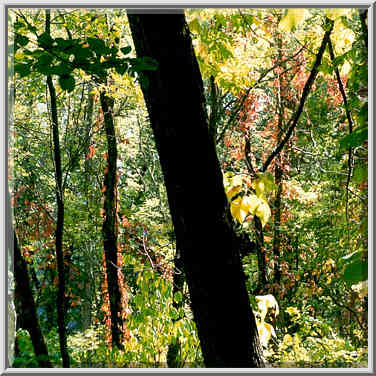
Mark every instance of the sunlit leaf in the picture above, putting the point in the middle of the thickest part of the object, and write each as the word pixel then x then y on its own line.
pixel 334 13
pixel 293 18
pixel 233 191
pixel 263 212
pixel 250 204
pixel 237 211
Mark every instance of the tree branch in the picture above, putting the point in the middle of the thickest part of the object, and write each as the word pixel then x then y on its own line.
pixel 254 86
pixel 307 87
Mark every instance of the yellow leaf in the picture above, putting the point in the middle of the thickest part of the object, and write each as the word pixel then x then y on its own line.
pixel 233 191
pixel 250 203
pixel 194 26
pixel 263 212
pixel 342 37
pixel 264 302
pixel 260 187
pixel 237 211
pixel 287 340
pixel 335 13
pixel 237 180
pixel 293 18
pixel 265 331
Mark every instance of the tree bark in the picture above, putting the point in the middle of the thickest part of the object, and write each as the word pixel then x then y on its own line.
pixel 25 306
pixel 193 178
pixel 61 303
pixel 109 224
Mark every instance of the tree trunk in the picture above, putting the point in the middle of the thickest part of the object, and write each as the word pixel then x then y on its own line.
pixel 193 178
pixel 61 304
pixel 25 306
pixel 109 224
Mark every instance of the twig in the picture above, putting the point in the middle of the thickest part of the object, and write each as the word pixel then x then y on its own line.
pixel 254 86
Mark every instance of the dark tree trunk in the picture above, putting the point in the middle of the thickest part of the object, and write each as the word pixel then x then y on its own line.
pixel 61 303
pixel 109 223
pixel 25 307
pixel 198 204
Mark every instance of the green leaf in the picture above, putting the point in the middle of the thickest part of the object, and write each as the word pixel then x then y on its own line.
pixel 43 64
pixel 64 45
pixel 81 54
pixel 356 138
pixel 22 69
pixel 45 40
pixel 178 297
pixel 61 69
pixel 121 68
pixel 97 45
pixel 356 272
pixel 66 82
pixel 18 25
pixel 363 115
pixel 45 59
pixel 21 40
pixel 194 26
pixel 126 50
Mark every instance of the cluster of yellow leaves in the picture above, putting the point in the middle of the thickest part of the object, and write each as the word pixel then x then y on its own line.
pixel 265 330
pixel 293 311
pixel 251 204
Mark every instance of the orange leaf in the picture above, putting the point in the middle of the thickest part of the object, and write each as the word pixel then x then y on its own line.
pixel 91 152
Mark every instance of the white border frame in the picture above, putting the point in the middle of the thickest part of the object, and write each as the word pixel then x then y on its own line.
pixel 173 4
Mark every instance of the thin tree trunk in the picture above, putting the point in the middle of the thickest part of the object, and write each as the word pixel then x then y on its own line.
pixel 61 303
pixel 193 178
pixel 110 235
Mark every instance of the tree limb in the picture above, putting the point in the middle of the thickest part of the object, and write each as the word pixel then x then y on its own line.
pixel 307 87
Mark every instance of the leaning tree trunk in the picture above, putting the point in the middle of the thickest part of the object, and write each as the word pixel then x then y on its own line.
pixel 25 305
pixel 193 178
